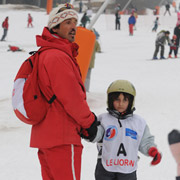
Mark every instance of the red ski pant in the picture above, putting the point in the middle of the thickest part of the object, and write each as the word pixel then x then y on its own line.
pixel 61 163
pixel 131 28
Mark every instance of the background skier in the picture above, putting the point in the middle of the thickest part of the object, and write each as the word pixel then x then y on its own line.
pixel 97 48
pixel 14 48
pixel 117 20
pixel 177 33
pixel 5 26
pixel 156 23
pixel 167 6
pixel 84 20
pixel 30 19
pixel 173 47
pixel 161 39
pixel 131 22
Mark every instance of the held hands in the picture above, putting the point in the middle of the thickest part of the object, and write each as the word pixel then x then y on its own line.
pixel 153 152
pixel 90 133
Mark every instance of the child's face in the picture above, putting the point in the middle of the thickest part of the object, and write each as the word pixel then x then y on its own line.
pixel 121 103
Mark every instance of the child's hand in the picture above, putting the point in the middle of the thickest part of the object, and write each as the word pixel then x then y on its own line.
pixel 153 152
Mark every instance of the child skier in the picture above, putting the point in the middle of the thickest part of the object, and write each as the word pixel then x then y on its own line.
pixel 122 136
pixel 173 47
pixel 131 22
pixel 30 19
pixel 156 23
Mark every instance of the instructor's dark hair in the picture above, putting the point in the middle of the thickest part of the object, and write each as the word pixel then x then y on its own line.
pixel 55 27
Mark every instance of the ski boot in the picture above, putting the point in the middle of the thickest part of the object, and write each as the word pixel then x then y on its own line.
pixel 155 58
pixel 162 57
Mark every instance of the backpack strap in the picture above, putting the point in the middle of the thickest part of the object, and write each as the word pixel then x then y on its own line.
pixel 52 99
pixel 32 53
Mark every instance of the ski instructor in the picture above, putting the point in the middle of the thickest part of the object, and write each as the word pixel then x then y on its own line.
pixel 58 136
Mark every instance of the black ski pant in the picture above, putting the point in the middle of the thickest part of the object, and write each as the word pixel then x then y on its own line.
pixel 157 50
pixel 117 25
pixel 168 12
pixel 177 43
pixel 175 51
pixel 102 174
pixel 155 27
pixel 4 35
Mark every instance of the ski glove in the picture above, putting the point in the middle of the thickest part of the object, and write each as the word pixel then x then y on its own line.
pixel 153 152
pixel 90 133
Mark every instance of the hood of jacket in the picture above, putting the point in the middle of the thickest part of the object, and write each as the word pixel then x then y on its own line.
pixel 55 41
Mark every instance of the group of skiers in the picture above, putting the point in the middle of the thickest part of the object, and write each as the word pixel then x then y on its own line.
pixel 131 20
pixel 173 43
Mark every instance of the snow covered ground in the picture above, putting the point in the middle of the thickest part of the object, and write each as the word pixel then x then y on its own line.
pixel 123 57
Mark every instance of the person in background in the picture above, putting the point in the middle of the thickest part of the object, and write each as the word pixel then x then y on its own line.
pixel 167 6
pixel 30 19
pixel 174 144
pixel 122 135
pixel 174 6
pixel 57 137
pixel 161 39
pixel 117 20
pixel 14 48
pixel 173 47
pixel 177 33
pixel 80 6
pixel 84 20
pixel 97 48
pixel 131 22
pixel 178 19
pixel 136 17
pixel 89 12
pixel 156 24
pixel 5 26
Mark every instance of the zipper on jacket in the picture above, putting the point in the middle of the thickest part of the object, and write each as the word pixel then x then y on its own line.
pixel 119 122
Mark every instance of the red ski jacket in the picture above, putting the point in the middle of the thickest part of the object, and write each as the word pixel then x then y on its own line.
pixel 13 48
pixel 59 74
pixel 29 19
pixel 5 24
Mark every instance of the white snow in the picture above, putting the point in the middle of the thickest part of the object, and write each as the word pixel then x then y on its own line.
pixel 123 57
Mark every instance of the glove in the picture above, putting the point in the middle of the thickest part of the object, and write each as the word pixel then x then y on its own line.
pixel 153 152
pixel 90 133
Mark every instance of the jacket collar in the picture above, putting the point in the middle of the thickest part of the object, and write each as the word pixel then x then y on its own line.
pixel 54 41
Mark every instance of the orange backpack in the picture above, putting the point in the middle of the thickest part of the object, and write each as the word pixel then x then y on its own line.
pixel 29 103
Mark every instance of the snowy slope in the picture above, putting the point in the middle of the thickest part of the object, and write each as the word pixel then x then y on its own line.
pixel 122 57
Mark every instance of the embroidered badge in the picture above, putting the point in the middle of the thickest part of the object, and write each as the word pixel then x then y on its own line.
pixel 111 133
pixel 131 133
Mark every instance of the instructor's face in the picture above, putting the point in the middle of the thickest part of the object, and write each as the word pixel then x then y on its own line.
pixel 67 29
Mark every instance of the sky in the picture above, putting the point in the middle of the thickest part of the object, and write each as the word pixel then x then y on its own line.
pixel 123 57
